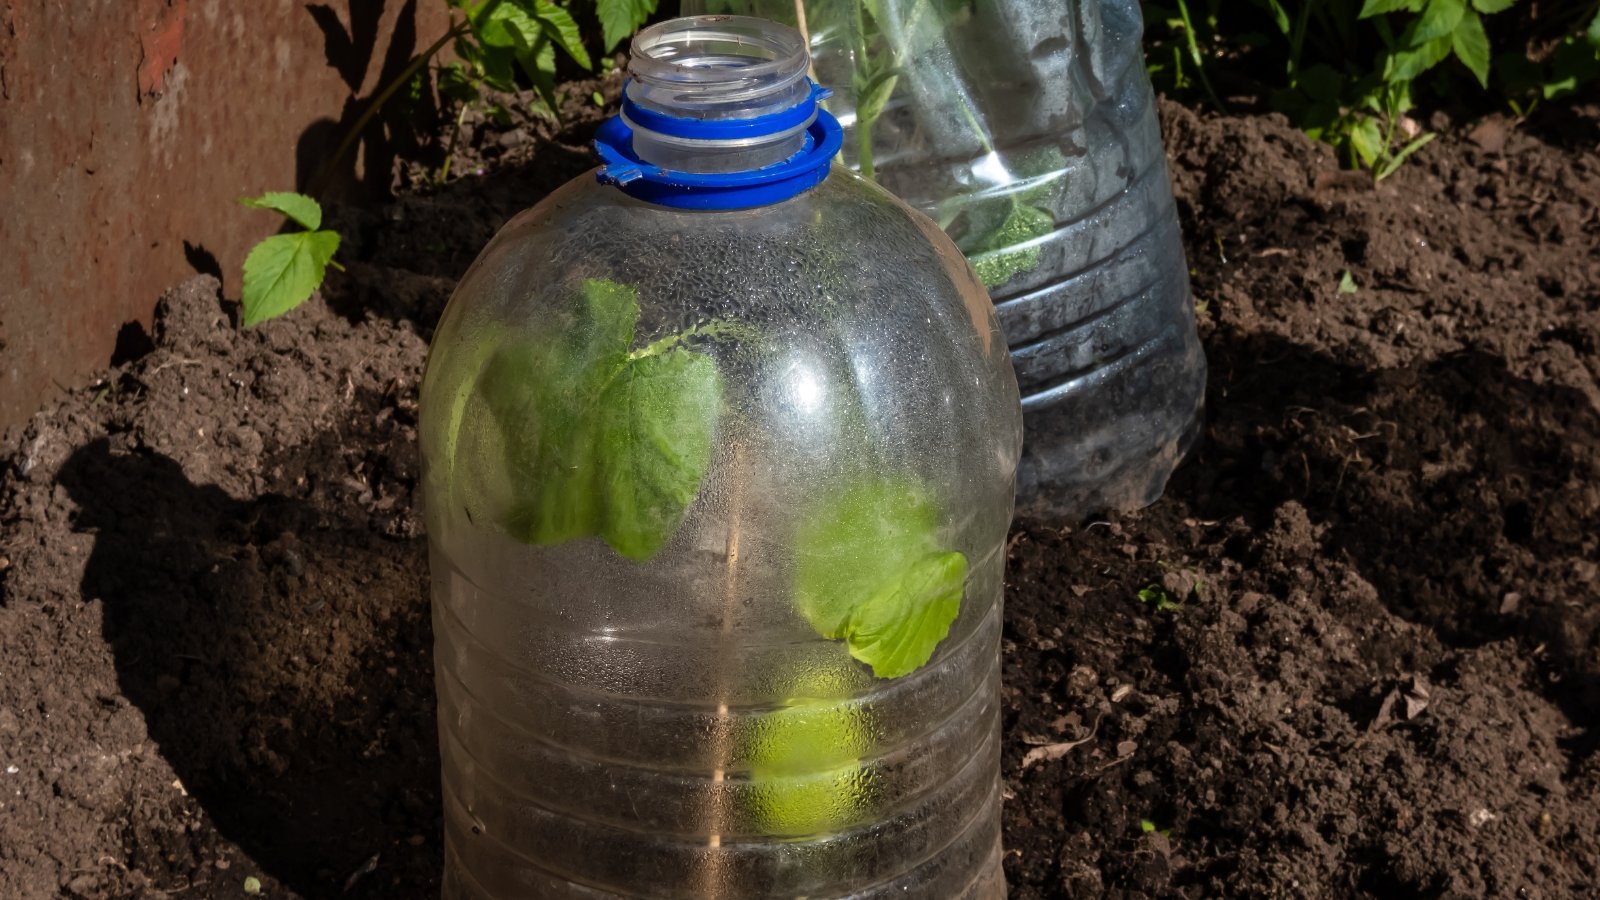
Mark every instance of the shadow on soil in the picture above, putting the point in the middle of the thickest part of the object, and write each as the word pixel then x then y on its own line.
pixel 279 651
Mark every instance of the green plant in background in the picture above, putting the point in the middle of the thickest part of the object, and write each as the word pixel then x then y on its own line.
pixel 495 41
pixel 285 269
pixel 1349 72
pixel 1572 63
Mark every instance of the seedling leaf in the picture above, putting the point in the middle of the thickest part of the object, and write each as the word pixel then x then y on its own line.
pixel 1009 249
pixel 655 421
pixel 1408 64
pixel 805 767
pixel 869 569
pixel 596 442
pixel 298 208
pixel 283 270
pixel 1439 18
pixel 620 18
pixel 1366 139
pixel 1388 168
pixel 896 631
pixel 1471 46
pixel 1156 595
pixel 559 26
pixel 1347 283
pixel 1378 7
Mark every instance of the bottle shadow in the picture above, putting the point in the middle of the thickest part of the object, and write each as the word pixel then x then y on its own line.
pixel 279 649
pixel 1469 497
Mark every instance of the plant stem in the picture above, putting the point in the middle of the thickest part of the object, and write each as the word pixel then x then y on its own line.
pixel 1297 42
pixel 805 36
pixel 319 182
pixel 1194 53
pixel 450 152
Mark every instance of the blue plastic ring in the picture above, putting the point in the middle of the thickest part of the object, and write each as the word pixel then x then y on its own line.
pixel 721 190
pixel 725 129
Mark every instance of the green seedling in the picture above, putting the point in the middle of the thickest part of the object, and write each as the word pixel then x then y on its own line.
pixel 1157 596
pixel 284 270
pixel 1347 283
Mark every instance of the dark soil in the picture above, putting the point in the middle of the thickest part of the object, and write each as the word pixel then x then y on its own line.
pixel 1381 675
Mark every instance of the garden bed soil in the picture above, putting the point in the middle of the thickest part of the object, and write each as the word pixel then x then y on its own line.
pixel 1377 670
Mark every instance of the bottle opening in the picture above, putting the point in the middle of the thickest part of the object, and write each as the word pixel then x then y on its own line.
pixel 724 69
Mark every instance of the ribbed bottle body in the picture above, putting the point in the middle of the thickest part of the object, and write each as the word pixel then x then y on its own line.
pixel 1027 129
pixel 698 690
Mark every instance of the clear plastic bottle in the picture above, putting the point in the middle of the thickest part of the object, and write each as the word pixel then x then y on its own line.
pixel 719 464
pixel 1027 129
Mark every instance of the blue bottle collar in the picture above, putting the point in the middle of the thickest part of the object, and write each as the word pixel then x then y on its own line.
pixel 621 167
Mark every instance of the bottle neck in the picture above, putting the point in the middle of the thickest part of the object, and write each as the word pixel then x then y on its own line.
pixel 718 94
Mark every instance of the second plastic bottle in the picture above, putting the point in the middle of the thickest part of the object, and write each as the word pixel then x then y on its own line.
pixel 720 450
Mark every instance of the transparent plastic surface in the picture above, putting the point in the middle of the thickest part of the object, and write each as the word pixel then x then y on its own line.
pixel 637 697
pixel 1027 129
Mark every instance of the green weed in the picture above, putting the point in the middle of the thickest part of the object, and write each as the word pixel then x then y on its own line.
pixel 1348 72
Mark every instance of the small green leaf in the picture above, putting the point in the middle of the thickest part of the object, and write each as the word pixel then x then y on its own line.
pixel 1280 16
pixel 597 442
pixel 1347 283
pixel 806 765
pixel 897 629
pixel 1408 64
pixel 869 568
pixel 559 26
pixel 298 208
pixel 1157 596
pixel 508 25
pixel 1471 46
pixel 1010 248
pixel 621 18
pixel 456 84
pixel 874 94
pixel 252 885
pixel 1394 162
pixel 1439 19
pixel 1576 62
pixel 1492 6
pixel 1378 7
pixel 283 270
pixel 655 424
pixel 1147 826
